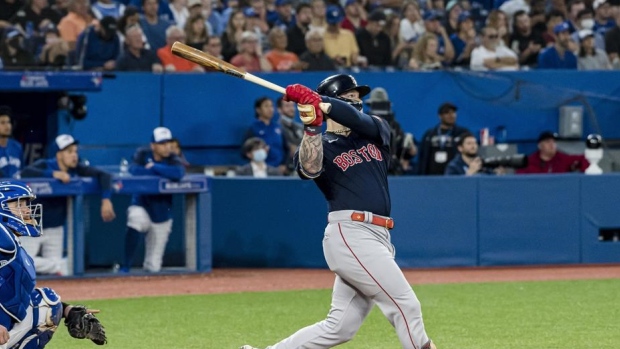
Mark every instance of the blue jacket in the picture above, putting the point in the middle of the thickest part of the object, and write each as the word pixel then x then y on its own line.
pixel 93 51
pixel 55 207
pixel 159 207
pixel 10 158
pixel 274 137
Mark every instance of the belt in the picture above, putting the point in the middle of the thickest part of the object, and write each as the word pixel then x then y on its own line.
pixel 387 223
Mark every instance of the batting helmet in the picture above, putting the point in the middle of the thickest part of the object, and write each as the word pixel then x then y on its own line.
pixel 336 85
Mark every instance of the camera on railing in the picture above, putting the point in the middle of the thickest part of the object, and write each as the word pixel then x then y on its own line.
pixel 508 161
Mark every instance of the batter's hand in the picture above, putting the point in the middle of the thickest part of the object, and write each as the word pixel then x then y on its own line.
pixel 4 335
pixel 307 103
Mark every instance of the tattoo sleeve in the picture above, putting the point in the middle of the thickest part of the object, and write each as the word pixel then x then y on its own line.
pixel 311 154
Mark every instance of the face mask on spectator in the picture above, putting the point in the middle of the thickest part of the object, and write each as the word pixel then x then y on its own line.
pixel 587 23
pixel 259 155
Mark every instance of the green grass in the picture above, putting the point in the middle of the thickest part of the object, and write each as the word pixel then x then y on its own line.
pixel 541 315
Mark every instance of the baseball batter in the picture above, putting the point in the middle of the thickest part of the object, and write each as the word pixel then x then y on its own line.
pixel 349 164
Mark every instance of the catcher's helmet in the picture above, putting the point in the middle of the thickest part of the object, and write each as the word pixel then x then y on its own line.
pixel 336 85
pixel 25 217
pixel 594 141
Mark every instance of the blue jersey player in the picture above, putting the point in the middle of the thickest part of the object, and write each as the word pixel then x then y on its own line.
pixel 349 164
pixel 29 316
pixel 151 215
pixel 10 150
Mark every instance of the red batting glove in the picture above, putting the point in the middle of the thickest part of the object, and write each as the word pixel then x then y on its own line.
pixel 294 93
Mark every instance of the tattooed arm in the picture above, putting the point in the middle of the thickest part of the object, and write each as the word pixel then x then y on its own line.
pixel 311 155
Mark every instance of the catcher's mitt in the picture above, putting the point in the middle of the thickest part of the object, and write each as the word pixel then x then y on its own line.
pixel 82 324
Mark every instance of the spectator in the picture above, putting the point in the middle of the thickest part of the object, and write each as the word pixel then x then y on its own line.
pixel 590 57
pixel 136 57
pixel 585 21
pixel 432 23
pixel 524 41
pixel 231 39
pixel 270 131
pixel 195 32
pixel 173 63
pixel 340 44
pixel 55 50
pixel 491 55
pixel 150 216
pixel 297 33
pixel 285 18
pixel 179 10
pixel 467 162
pixel 552 19
pixel 153 26
pixel 425 56
pixel 257 17
pixel 315 59
pixel 255 150
pixel 453 10
pixel 108 8
pixel 11 153
pixel 464 40
pixel 39 14
pixel 61 6
pixel 603 18
pixel 63 166
pixel 612 43
pixel 558 56
pixel 175 148
pixel 401 50
pixel 213 46
pixel 402 145
pixel 250 56
pixel 374 43
pixel 511 7
pixel 216 22
pixel 497 19
pixel 548 159
pixel 129 18
pixel 319 15
pixel 438 143
pixel 74 23
pixel 574 7
pixel 13 53
pixel 98 47
pixel 353 16
pixel 279 58
pixel 412 24
pixel 293 131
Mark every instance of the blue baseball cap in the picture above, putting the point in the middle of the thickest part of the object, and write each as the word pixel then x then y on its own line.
pixel 431 15
pixel 249 12
pixel 349 2
pixel 282 2
pixel 562 27
pixel 333 14
pixel 465 15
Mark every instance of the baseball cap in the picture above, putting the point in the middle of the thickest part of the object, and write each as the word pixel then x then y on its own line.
pixel 349 2
pixel 446 107
pixel 333 14
pixel 378 94
pixel 562 27
pixel 249 12
pixel 162 135
pixel 598 3
pixel 584 33
pixel 547 135
pixel 192 3
pixel 108 23
pixel 63 141
pixel 431 15
pixel 465 15
pixel 451 5
pixel 282 2
pixel 377 16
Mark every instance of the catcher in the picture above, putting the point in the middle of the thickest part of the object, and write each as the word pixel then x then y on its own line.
pixel 29 316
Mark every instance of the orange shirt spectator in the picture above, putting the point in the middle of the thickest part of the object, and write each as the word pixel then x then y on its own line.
pixel 180 64
pixel 74 23
pixel 282 61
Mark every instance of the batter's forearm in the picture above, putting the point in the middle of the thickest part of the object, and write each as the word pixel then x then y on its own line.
pixel 311 154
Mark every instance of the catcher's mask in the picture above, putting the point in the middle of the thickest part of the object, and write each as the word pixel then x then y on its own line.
pixel 17 210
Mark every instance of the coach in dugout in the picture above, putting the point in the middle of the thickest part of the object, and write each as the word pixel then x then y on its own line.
pixel 548 159
pixel 47 250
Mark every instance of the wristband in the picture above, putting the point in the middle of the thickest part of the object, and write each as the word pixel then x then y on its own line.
pixel 312 130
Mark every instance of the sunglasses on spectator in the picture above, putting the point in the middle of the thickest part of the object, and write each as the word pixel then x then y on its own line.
pixel 493 36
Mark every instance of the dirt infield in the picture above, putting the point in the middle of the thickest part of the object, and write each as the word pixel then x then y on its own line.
pixel 251 280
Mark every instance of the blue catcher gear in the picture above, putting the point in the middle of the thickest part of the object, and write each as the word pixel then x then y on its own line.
pixel 17 211
pixel 46 315
pixel 335 85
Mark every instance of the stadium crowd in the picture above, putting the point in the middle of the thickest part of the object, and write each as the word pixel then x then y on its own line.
pixel 312 35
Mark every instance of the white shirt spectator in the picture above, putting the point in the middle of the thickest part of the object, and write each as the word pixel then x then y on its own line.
pixel 410 32
pixel 481 53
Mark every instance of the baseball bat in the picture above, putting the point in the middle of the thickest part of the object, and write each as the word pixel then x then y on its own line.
pixel 215 64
